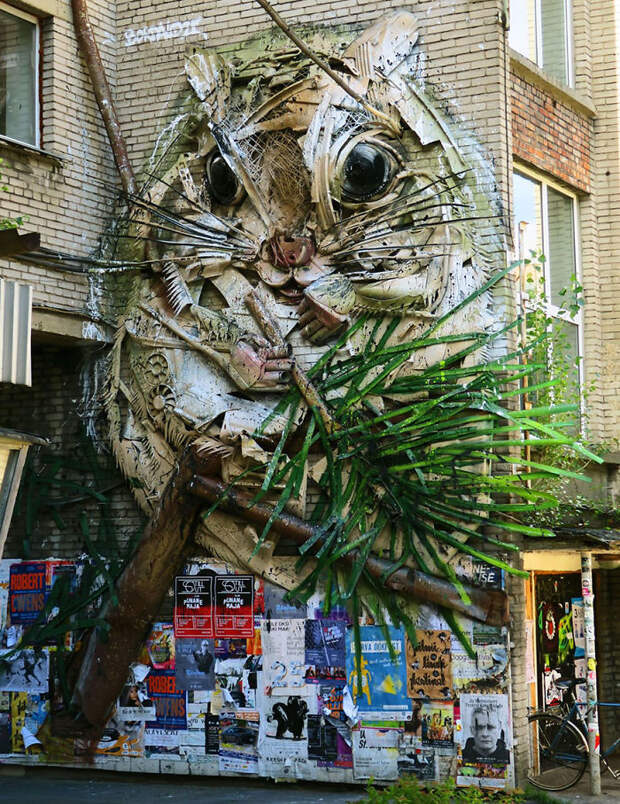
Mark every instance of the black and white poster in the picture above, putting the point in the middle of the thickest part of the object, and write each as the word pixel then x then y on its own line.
pixel 283 735
pixel 25 671
pixel 485 740
pixel 415 759
pixel 194 664
pixel 322 739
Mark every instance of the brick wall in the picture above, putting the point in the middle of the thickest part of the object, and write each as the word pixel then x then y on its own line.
pixel 51 409
pixel 64 199
pixel 606 189
pixel 549 135
pixel 607 599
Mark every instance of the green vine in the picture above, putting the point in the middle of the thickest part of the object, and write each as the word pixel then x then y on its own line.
pixel 557 386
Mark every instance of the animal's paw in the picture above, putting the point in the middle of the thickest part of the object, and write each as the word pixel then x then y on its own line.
pixel 324 311
pixel 259 367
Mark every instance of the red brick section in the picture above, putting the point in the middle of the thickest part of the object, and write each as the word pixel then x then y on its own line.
pixel 550 135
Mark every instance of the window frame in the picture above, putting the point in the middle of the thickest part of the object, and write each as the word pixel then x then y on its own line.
pixel 568 41
pixel 17 12
pixel 552 309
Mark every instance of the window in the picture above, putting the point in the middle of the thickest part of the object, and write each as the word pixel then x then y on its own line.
pixel 19 76
pixel 545 221
pixel 541 30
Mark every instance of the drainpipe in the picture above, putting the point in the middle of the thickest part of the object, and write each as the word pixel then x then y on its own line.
pixel 89 50
pixel 594 739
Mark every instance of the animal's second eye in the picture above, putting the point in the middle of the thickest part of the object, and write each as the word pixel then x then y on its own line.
pixel 224 186
pixel 367 171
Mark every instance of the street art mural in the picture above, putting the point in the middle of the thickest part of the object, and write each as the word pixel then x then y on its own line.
pixel 305 393
pixel 292 226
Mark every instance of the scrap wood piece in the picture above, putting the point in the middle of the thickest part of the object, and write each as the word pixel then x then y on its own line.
pixel 487 605
pixel 272 333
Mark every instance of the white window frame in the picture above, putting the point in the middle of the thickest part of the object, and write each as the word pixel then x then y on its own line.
pixel 553 310
pixel 24 15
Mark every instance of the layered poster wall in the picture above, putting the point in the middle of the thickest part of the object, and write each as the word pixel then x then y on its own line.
pixel 240 680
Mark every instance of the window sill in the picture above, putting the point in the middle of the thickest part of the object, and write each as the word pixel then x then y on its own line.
pixel 22 147
pixel 531 72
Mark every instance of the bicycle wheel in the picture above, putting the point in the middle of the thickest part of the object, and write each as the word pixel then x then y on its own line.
pixel 558 751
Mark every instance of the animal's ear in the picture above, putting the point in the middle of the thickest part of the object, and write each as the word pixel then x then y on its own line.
pixel 209 76
pixel 385 45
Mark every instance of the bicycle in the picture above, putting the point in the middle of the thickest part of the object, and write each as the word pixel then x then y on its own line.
pixel 560 742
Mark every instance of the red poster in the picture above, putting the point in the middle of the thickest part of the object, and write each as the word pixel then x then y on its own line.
pixel 27 591
pixel 234 606
pixel 193 606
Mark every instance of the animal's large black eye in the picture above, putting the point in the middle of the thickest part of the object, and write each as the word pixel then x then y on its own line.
pixel 367 171
pixel 222 182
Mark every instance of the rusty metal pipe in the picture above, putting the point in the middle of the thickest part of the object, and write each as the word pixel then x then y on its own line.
pixel 89 50
pixel 487 605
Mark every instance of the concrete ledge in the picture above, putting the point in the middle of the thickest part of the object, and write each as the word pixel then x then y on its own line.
pixel 68 325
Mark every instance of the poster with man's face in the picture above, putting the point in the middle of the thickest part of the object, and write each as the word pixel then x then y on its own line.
pixel 485 740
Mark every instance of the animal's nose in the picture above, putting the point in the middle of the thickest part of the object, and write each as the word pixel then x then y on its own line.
pixel 291 252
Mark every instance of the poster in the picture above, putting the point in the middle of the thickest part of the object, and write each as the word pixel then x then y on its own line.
pixel 437 723
pixel 27 591
pixel 485 740
pixel 283 733
pixel 325 650
pixel 530 663
pixel 383 691
pixel 322 740
pixel 28 713
pixel 283 644
pixel 331 700
pixel 25 671
pixel 195 664
pixel 161 742
pixel 234 606
pixel 160 646
pixel 279 607
pixel 193 606
pixel 134 703
pixel 170 702
pixel 5 575
pixel 417 760
pixel 429 665
pixel 237 680
pixel 118 739
pixel 238 744
pixel 487 672
pixel 232 648
pixel 375 753
pixel 212 733
pixel 579 633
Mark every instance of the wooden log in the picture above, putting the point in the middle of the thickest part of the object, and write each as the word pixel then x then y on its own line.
pixel 140 590
pixel 487 605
